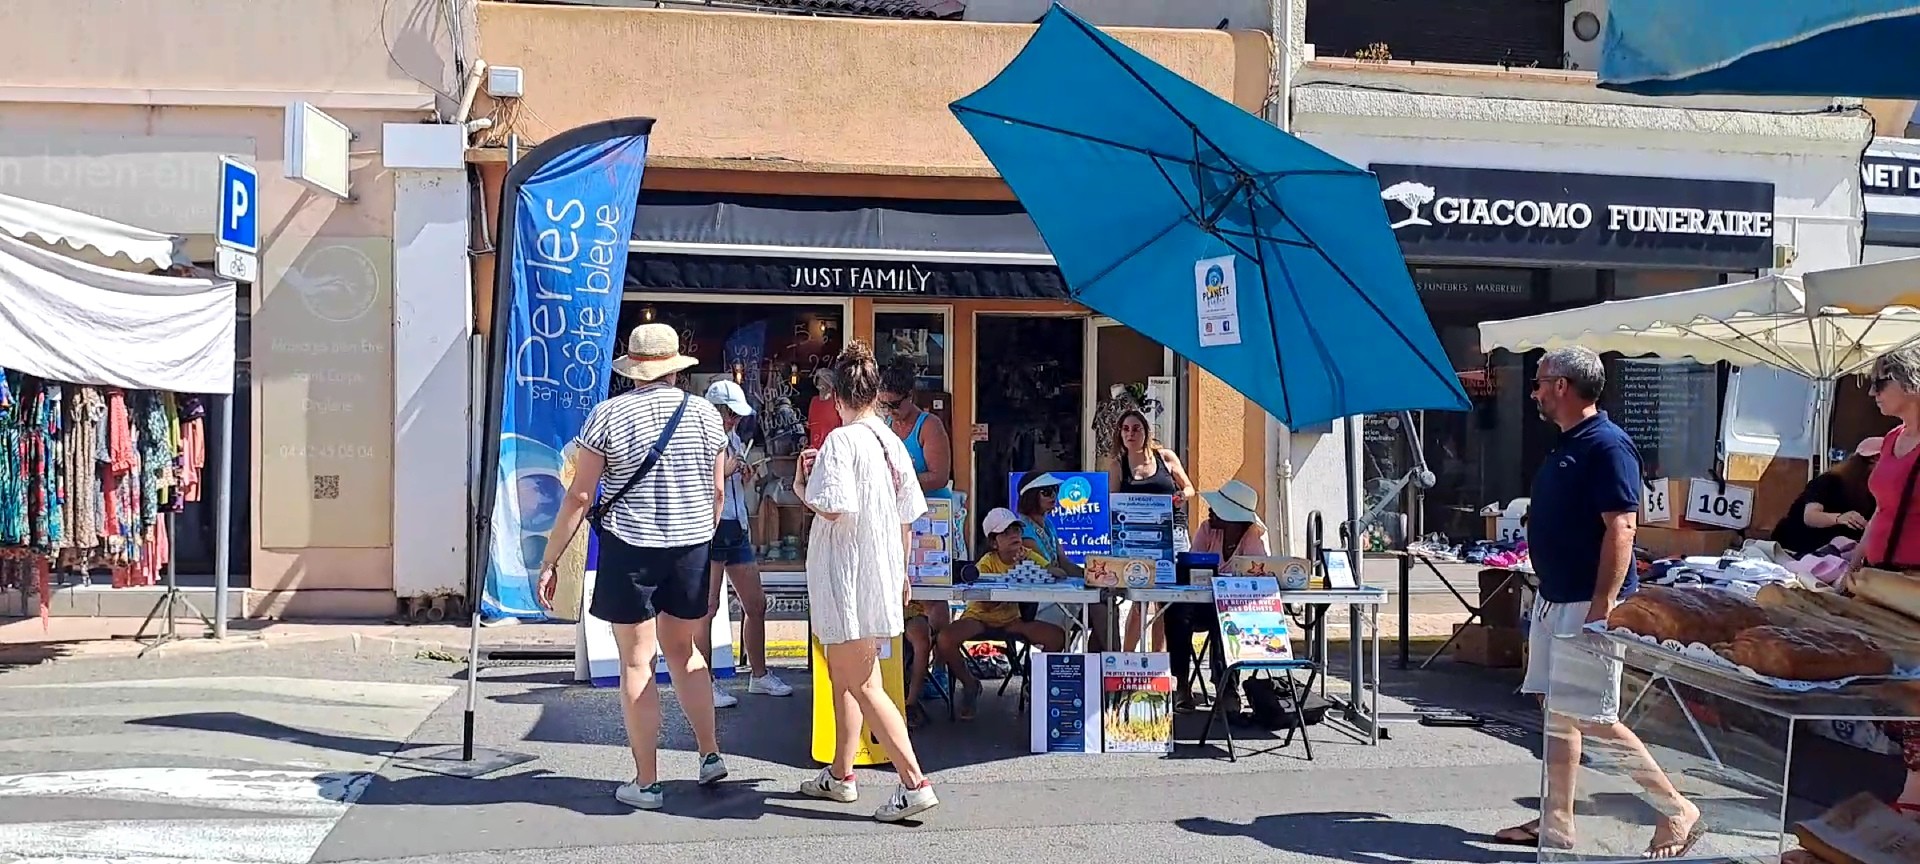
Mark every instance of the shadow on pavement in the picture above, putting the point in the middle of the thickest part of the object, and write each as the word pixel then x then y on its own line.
pixel 732 799
pixel 1362 838
pixel 253 727
pixel 31 654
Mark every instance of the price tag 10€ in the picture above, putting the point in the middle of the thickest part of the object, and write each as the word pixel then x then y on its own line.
pixel 1656 507
pixel 1709 503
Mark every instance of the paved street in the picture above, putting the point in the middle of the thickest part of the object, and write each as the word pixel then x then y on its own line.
pixel 281 755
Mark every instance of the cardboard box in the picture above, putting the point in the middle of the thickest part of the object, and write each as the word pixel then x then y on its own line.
pixel 1681 542
pixel 1492 647
pixel 1500 606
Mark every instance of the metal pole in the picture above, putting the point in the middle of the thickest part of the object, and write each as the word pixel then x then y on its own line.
pixel 1356 668
pixel 223 518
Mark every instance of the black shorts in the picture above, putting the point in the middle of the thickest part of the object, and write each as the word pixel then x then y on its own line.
pixel 632 583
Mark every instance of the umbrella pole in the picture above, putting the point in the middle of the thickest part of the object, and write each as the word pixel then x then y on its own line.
pixel 1355 668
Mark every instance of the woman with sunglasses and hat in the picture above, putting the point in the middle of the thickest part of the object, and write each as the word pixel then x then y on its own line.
pixel 1038 494
pixel 1232 530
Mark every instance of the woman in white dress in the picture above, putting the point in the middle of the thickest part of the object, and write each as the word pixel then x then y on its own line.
pixel 861 486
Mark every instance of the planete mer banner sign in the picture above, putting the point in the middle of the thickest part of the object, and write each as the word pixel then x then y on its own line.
pixel 1481 214
pixel 568 211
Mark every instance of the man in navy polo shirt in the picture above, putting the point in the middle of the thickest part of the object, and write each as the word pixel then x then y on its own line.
pixel 1580 525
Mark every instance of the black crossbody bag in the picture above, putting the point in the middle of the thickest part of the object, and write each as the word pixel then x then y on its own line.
pixel 598 512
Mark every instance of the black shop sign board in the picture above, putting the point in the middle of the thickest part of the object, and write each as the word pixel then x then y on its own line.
pixel 716 274
pixel 1571 219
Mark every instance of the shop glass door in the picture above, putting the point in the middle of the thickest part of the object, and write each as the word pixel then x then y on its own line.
pixel 1126 369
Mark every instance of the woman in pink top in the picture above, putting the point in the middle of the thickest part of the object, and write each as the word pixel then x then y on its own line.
pixel 1233 522
pixel 1892 541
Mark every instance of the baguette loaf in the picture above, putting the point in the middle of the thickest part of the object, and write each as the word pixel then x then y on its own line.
pixel 1703 614
pixel 1806 653
pixel 1799 607
pixel 1898 592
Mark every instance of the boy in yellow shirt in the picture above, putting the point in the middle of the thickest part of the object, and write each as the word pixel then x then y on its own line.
pixel 983 621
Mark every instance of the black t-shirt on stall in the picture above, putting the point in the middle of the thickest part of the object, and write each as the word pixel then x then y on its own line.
pixel 1830 492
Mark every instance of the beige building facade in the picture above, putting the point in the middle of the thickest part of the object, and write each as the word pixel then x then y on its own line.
pixel 123 109
pixel 760 109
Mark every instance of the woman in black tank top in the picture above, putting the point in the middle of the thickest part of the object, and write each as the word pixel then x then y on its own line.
pixel 1133 451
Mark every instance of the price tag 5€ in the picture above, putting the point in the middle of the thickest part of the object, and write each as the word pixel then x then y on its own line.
pixel 1655 507
pixel 1709 503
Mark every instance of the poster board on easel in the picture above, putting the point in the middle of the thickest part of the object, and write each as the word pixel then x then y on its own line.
pixel 596 658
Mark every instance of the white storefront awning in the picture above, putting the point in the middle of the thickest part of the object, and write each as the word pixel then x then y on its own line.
pixel 66 320
pixel 102 241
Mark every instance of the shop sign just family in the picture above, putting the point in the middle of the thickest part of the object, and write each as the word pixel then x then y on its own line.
pixel 1486 215
pixel 906 279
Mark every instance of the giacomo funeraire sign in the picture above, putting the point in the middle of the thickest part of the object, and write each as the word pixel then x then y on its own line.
pixel 1483 214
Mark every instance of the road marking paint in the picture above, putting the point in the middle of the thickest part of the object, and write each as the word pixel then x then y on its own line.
pixel 257 841
pixel 290 793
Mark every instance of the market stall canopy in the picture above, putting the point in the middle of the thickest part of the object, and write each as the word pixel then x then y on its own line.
pixel 1809 327
pixel 67 320
pixel 1249 252
pixel 1860 48
pixel 112 244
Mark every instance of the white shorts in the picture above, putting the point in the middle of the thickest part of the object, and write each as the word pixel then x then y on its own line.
pixel 1583 686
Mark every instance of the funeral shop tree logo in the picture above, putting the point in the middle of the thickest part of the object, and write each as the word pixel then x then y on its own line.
pixel 1412 196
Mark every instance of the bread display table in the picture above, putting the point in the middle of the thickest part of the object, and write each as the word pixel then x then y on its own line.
pixel 1728 742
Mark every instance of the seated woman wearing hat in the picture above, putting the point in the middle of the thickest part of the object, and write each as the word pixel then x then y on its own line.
pixel 1005 550
pixel 1233 530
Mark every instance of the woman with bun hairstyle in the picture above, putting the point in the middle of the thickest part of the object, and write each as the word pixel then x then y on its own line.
pixel 861 485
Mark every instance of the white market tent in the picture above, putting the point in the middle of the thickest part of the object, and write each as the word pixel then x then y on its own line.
pixel 78 306
pixel 1823 325
pixel 87 237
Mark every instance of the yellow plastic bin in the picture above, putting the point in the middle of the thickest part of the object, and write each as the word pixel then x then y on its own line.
pixel 823 728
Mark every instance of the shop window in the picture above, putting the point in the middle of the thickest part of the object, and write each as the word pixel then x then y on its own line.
pixel 919 338
pixel 1628 284
pixel 773 351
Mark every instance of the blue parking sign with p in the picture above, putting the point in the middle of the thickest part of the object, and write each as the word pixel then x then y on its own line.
pixel 239 206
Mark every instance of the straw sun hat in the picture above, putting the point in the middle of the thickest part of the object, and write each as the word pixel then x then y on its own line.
pixel 653 352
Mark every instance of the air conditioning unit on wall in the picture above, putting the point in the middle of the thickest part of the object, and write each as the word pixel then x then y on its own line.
pixel 1580 38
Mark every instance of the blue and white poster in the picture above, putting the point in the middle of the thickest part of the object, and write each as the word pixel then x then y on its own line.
pixel 1079 516
pixel 1143 528
pixel 567 214
pixel 1066 704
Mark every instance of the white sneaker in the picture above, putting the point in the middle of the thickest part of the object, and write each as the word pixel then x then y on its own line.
pixel 906 803
pixel 825 785
pixel 713 769
pixel 640 797
pixel 769 685
pixel 723 699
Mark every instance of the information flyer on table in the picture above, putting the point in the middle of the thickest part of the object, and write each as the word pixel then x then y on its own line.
pixel 1143 528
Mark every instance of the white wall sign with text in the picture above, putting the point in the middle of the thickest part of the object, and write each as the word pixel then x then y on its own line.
pixel 1710 503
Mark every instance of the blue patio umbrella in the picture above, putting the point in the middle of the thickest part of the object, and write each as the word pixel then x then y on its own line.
pixel 1863 48
pixel 1262 259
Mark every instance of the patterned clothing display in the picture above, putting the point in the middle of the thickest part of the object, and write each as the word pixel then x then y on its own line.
pixel 86 474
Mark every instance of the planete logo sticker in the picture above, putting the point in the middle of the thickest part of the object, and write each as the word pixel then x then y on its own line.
pixel 1076 495
pixel 336 282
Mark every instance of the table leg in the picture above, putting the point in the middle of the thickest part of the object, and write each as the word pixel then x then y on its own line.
pixel 1406 602
pixel 1356 661
pixel 1373 699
